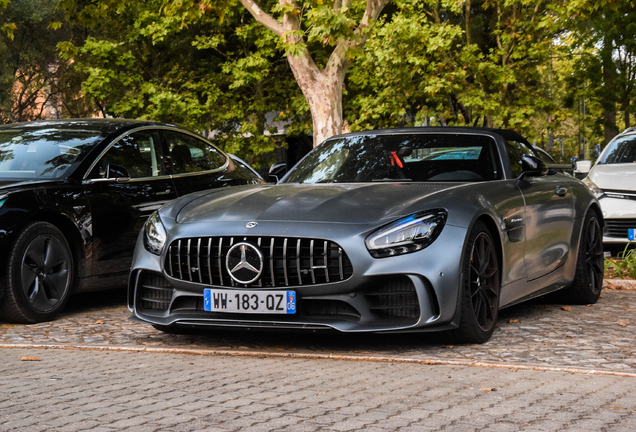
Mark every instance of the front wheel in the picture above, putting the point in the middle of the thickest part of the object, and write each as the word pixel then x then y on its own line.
pixel 480 286
pixel 38 276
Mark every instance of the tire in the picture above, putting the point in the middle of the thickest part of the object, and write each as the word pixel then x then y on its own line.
pixel 38 276
pixel 480 286
pixel 588 280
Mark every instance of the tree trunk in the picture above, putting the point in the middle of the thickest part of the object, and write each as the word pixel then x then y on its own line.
pixel 322 88
pixel 608 102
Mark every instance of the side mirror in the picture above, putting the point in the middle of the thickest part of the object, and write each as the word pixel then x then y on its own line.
pixel 583 166
pixel 532 167
pixel 117 172
pixel 277 171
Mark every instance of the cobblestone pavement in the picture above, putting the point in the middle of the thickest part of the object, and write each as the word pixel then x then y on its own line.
pixel 548 367
pixel 600 337
pixel 70 390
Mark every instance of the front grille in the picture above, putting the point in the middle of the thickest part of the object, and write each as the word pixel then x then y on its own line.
pixel 286 261
pixel 154 292
pixel 618 227
pixel 394 298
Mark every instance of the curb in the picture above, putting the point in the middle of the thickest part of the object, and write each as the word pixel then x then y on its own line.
pixel 619 284
pixel 306 356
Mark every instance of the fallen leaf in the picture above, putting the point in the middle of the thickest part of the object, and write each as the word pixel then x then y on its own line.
pixel 601 296
pixel 566 308
pixel 490 389
pixel 99 322
pixel 25 358
pixel 512 320
pixel 622 324
pixel 448 346
pixel 590 305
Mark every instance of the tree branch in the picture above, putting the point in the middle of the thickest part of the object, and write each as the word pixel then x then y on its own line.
pixel 263 17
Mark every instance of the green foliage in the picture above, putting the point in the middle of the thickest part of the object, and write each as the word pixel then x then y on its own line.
pixel 180 63
pixel 30 72
pixel 624 266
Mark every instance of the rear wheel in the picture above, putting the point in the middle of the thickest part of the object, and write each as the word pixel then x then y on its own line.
pixel 480 288
pixel 588 280
pixel 38 276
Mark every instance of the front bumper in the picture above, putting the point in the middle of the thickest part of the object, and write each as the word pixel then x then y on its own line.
pixel 411 292
pixel 619 216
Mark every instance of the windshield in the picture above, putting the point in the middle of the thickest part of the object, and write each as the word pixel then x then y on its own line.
pixel 622 150
pixel 401 157
pixel 42 153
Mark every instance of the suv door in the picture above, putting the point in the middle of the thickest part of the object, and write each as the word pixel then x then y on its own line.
pixel 120 207
pixel 549 210
pixel 194 163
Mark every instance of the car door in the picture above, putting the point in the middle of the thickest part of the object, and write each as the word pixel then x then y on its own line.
pixel 120 206
pixel 194 163
pixel 549 210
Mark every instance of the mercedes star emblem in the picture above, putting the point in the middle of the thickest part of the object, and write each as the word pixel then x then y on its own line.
pixel 251 225
pixel 244 263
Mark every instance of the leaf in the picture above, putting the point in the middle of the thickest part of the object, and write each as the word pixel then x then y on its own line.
pixel 99 322
pixel 25 358
pixel 488 389
pixel 566 308
pixel 622 324
pixel 55 25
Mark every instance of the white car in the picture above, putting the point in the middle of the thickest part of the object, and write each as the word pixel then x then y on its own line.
pixel 613 181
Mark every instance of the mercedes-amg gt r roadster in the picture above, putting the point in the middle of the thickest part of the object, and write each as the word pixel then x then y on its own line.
pixel 420 229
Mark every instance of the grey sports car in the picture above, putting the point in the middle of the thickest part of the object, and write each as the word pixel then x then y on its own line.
pixel 420 229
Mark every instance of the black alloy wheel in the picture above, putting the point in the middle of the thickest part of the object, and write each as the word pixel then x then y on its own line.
pixel 593 246
pixel 588 280
pixel 481 283
pixel 484 282
pixel 39 275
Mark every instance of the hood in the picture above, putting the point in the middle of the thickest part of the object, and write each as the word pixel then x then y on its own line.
pixel 344 203
pixel 614 176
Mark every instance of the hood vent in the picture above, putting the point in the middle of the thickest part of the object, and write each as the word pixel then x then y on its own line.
pixel 287 261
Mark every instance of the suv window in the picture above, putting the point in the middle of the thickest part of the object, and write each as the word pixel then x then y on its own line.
pixel 189 154
pixel 622 150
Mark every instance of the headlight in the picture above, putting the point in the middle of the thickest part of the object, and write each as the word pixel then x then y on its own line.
pixel 154 234
pixel 3 199
pixel 596 191
pixel 407 235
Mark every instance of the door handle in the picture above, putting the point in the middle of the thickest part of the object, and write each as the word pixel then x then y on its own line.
pixel 561 191
pixel 166 192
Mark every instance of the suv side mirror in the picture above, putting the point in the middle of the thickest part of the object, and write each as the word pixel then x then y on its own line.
pixel 277 171
pixel 117 172
pixel 583 166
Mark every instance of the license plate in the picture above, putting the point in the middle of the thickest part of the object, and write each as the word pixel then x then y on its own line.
pixel 244 301
pixel 630 233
